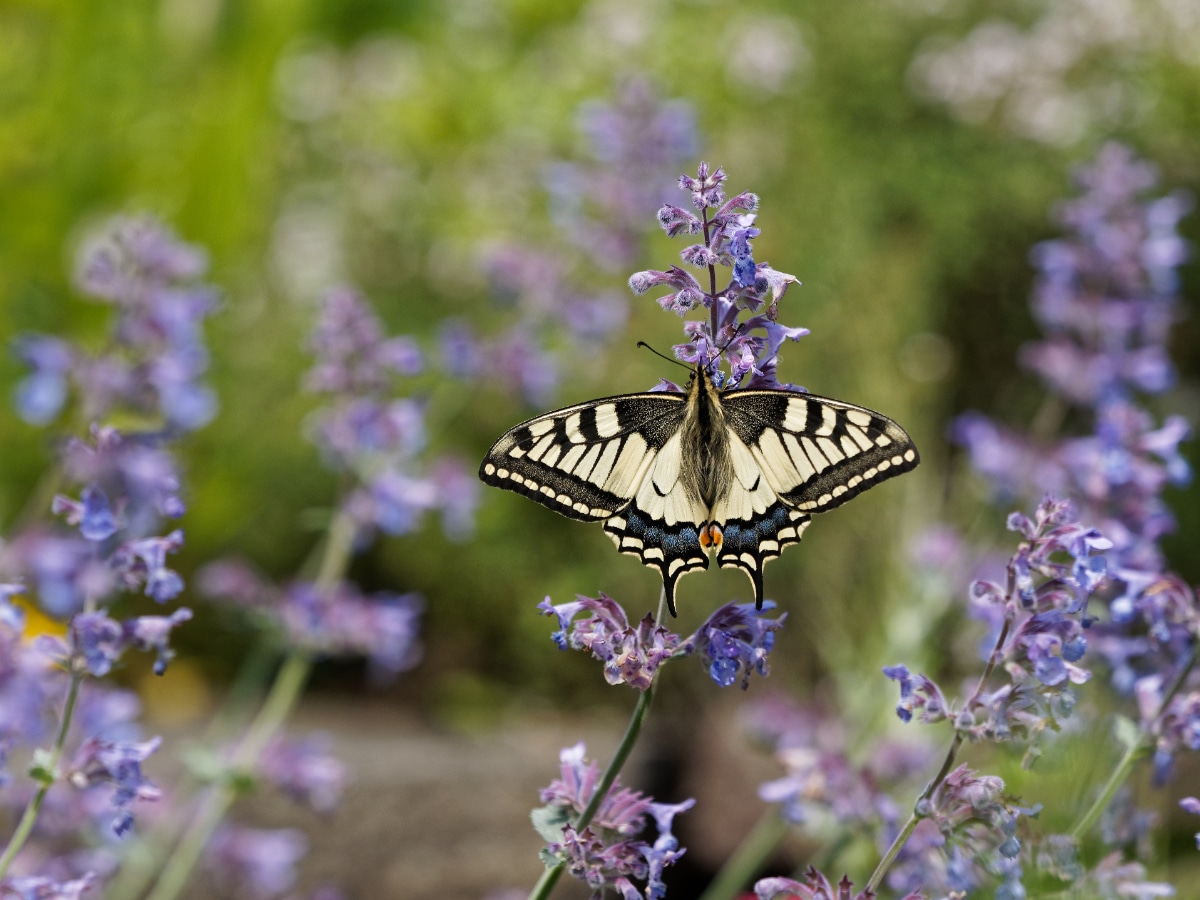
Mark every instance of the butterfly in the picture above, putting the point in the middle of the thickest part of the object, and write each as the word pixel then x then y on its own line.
pixel 677 476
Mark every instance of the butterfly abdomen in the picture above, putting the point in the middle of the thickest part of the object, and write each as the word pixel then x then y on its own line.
pixel 704 438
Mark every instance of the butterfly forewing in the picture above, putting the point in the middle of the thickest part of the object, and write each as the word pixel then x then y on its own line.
pixel 817 453
pixel 586 461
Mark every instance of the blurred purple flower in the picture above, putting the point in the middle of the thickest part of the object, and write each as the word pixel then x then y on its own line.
pixel 336 622
pixel 155 360
pixel 41 395
pixel 377 438
pixel 263 861
pixel 36 887
pixel 100 762
pixel 816 887
pixel 305 770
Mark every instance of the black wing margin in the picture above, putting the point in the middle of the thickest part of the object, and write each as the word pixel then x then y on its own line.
pixel 585 461
pixel 816 452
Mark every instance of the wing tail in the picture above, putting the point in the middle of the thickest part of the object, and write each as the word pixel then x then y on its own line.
pixel 748 544
pixel 672 549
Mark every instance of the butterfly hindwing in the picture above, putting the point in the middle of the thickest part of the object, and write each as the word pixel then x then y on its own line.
pixel 754 525
pixel 585 461
pixel 662 525
pixel 817 453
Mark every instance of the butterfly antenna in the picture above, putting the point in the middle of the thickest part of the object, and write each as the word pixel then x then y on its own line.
pixel 642 345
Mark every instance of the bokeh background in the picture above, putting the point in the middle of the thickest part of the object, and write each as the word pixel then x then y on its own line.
pixel 907 153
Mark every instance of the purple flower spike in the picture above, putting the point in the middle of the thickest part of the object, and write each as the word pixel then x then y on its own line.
pixel 748 347
pixel 630 655
pixel 737 639
pixel 120 764
pixel 607 853
pixel 41 395
pixel 154 633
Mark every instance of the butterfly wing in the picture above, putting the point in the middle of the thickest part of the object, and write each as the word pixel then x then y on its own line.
pixel 615 460
pixel 796 454
pixel 585 461
pixel 662 525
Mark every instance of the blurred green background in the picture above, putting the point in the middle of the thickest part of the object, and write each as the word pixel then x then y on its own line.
pixel 907 153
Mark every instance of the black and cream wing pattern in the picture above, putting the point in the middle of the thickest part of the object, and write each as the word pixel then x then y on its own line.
pixel 677 476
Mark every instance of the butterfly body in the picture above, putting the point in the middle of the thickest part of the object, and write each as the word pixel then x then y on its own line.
pixel 677 476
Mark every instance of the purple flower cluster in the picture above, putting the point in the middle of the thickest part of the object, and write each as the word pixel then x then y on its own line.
pixel 34 682
pixel 597 206
pixel 735 640
pixel 130 486
pixel 1037 619
pixel 336 622
pixel 815 887
pixel 821 781
pixel 260 861
pixel 966 838
pixel 750 348
pixel 606 854
pixel 306 771
pixel 377 438
pixel 1106 297
pixel 155 359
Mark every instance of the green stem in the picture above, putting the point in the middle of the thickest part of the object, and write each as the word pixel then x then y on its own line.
pixel 550 877
pixel 278 705
pixel 748 858
pixel 1135 751
pixel 29 817
pixel 947 764
pixel 286 690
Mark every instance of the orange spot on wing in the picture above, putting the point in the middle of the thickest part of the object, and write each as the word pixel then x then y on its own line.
pixel 711 537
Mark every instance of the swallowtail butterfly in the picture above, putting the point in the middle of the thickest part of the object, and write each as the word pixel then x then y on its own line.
pixel 676 476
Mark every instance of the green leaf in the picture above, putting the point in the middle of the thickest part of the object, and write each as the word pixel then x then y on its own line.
pixel 41 767
pixel 548 821
pixel 1127 732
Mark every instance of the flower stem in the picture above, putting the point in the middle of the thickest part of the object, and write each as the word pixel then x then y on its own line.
pixel 917 815
pixel 281 699
pixel 29 817
pixel 1135 751
pixel 550 877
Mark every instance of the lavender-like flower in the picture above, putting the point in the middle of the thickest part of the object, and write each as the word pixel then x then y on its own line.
pixel 155 360
pixel 735 639
pixel 306 771
pixel 605 854
pixel 749 348
pixel 816 887
pixel 261 860
pixel 1038 618
pixel 338 621
pixel 37 887
pixel 598 206
pixel 99 761
pixel 1106 297
pixel 377 438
